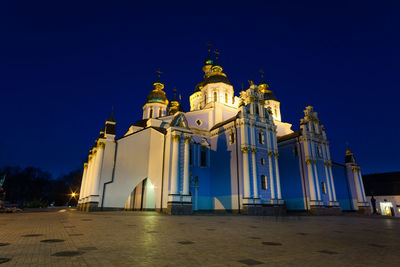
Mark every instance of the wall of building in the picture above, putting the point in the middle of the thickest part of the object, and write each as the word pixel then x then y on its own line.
pixel 290 175
pixel 342 188
pixel 136 154
pixel 224 190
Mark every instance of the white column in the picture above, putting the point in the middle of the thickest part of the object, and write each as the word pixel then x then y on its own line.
pixel 361 185
pixel 309 170
pixel 85 167
pixel 186 167
pixel 314 165
pixel 357 184
pixel 246 178
pixel 332 183
pixel 245 157
pixel 174 166
pixel 328 184
pixel 255 183
pixel 278 182
pixel 89 175
pixel 97 172
pixel 271 175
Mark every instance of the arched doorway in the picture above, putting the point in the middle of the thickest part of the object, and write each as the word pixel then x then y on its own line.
pixel 142 197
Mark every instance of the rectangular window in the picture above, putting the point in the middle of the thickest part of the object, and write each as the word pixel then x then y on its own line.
pixel 264 182
pixel 203 157
pixel 323 187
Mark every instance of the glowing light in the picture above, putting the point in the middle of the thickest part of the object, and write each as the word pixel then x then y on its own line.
pixel 151 186
pixel 73 194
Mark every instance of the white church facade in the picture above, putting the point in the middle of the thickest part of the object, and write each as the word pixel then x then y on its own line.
pixel 228 153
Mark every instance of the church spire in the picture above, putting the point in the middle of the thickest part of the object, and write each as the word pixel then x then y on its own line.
pixel 109 130
pixel 111 117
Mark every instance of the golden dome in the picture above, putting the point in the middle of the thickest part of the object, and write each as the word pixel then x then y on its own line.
pixel 157 95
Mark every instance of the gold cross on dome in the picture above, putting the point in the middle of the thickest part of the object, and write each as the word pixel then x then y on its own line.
pixel 159 73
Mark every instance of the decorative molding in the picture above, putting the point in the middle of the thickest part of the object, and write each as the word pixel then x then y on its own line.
pixel 253 150
pixel 245 149
pixel 176 137
pixel 187 139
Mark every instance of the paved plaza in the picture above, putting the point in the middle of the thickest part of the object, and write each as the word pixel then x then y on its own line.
pixel 72 238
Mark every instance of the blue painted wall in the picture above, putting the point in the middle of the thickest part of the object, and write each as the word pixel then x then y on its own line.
pixel 341 186
pixel 291 186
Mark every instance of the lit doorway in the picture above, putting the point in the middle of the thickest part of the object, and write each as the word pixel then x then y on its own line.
pixel 142 198
pixel 386 208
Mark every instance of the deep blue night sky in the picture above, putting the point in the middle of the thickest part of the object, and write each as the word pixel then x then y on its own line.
pixel 64 64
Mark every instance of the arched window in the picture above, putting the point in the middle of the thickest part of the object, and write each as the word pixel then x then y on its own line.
pixel 215 96
pixel 203 156
pixel 276 112
pixel 260 138
pixel 264 184
pixel 256 107
pixel 233 99
pixel 262 161
pixel 205 98
pixel 231 138
pixel 160 113
pixel 151 113
pixel 226 98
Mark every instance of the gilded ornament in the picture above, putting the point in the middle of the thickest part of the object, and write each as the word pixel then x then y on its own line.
pixel 176 137
pixel 253 150
pixel 187 139
pixel 245 149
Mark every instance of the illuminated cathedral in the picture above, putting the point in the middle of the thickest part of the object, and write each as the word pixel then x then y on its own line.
pixel 229 153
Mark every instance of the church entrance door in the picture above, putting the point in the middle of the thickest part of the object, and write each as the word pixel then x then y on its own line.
pixel 142 198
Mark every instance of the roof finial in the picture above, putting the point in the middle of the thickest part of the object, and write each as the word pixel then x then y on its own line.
pixel 209 49
pixel 262 76
pixel 174 92
pixel 158 74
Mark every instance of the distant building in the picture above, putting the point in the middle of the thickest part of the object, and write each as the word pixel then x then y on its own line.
pixel 228 153
pixel 385 188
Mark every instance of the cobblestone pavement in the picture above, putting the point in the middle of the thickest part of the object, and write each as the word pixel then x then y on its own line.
pixel 72 238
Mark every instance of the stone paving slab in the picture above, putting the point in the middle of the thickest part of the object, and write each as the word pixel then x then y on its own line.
pixel 73 238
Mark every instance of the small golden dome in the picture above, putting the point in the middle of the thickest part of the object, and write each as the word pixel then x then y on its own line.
pixel 157 95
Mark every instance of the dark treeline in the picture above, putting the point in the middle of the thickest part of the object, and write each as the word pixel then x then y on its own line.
pixel 33 187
